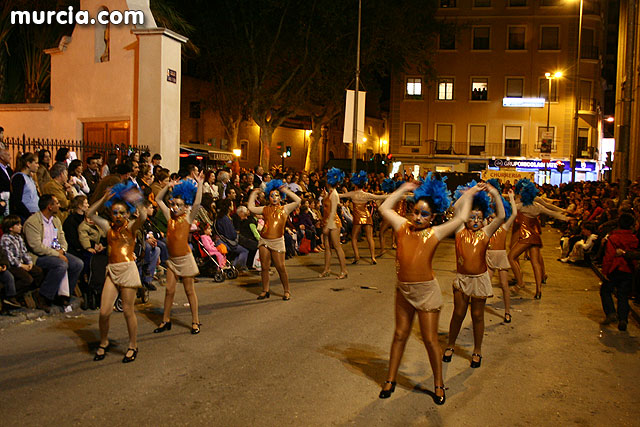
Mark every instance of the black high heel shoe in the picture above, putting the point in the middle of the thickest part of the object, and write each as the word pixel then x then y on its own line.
pixel 97 357
pixel 475 364
pixel 195 328
pixel 164 326
pixel 439 400
pixel 133 356
pixel 446 358
pixel 538 295
pixel 266 295
pixel 384 394
pixel 507 318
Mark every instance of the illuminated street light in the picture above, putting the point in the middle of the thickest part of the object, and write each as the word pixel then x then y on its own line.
pixel 610 119
pixel 237 152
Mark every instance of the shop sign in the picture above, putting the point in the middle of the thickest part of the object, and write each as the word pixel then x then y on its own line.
pixel 538 164
pixel 221 157
pixel 523 102
pixel 507 175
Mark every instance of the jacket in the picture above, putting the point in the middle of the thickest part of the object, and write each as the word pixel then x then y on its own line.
pixel 33 230
pixel 618 239
pixel 89 235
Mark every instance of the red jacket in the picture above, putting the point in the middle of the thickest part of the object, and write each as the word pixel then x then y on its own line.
pixel 619 239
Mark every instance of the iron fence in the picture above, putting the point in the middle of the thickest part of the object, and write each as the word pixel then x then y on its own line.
pixel 82 149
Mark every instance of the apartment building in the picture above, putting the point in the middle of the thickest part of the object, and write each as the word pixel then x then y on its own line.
pixel 491 104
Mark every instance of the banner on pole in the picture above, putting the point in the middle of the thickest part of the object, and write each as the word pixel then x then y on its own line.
pixel 348 115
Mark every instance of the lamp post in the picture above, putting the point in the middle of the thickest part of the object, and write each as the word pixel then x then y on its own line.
pixel 354 139
pixel 547 144
pixel 576 117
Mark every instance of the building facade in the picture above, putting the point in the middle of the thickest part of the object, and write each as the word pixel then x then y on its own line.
pixel 489 106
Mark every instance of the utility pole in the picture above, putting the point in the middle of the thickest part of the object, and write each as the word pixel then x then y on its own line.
pixel 576 88
pixel 622 151
pixel 354 139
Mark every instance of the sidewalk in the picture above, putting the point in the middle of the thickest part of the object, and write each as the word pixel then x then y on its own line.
pixel 20 315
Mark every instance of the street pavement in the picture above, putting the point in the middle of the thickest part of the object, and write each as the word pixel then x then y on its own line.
pixel 319 359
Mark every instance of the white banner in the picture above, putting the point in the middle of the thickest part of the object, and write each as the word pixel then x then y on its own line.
pixel 348 115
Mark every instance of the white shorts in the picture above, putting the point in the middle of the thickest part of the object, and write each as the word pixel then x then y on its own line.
pixel 423 296
pixel 497 260
pixel 474 285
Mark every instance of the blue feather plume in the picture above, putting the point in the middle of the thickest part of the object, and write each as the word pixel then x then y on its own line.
pixel 335 176
pixel 388 185
pixel 125 193
pixel 480 200
pixel 436 190
pixel 186 191
pixel 274 184
pixel 527 191
pixel 360 178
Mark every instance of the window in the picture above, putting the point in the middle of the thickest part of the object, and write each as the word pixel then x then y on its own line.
pixel 583 142
pixel 550 2
pixel 414 87
pixel 481 3
pixel 477 138
pixel 517 3
pixel 479 88
pixel 512 137
pixel 549 38
pixel 445 89
pixel 447 3
pixel 588 47
pixel 444 139
pixel 447 41
pixel 194 110
pixel 412 134
pixel 585 95
pixel 543 90
pixel 515 87
pixel 516 38
pixel 244 146
pixel 541 130
pixel 481 38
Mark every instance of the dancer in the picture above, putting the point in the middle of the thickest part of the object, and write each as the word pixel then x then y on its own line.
pixel 271 245
pixel 417 288
pixel 181 262
pixel 389 186
pixel 497 254
pixel 122 272
pixel 472 284
pixel 331 223
pixel 527 232
pixel 361 216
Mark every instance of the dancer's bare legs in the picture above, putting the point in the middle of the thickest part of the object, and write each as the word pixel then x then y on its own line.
pixel 334 236
pixel 169 295
pixel 429 331
pixel 278 261
pixel 355 232
pixel 404 319
pixel 192 297
pixel 460 306
pixel 265 265
pixel 368 230
pixel 109 295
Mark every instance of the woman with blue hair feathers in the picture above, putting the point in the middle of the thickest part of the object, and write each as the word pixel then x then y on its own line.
pixel 361 216
pixel 497 259
pixel 417 289
pixel 527 233
pixel 331 223
pixel 472 284
pixel 122 271
pixel 181 263
pixel 271 245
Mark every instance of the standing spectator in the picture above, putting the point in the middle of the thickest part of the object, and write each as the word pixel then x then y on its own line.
pixel 618 271
pixel 44 163
pixel 5 180
pixel 44 234
pixel 26 276
pixel 92 173
pixel 24 195
pixel 60 188
pixel 223 182
pixel 155 161
pixel 257 178
pixel 77 179
pixel 210 186
pixel 62 156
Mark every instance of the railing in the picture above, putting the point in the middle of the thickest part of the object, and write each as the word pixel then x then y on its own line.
pixel 589 104
pixel 82 150
pixel 464 148
pixel 589 52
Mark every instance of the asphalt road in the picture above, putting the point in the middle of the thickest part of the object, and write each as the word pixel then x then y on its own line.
pixel 320 358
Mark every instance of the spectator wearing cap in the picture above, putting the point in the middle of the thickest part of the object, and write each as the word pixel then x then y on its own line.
pixel 60 188
pixel 45 236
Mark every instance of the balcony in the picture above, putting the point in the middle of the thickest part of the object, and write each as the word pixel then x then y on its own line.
pixel 589 105
pixel 464 148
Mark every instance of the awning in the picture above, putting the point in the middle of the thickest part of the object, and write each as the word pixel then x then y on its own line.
pixel 214 154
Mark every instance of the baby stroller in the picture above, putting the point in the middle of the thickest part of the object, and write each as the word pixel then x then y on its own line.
pixel 208 264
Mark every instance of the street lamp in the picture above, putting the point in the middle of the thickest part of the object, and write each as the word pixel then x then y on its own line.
pixel 547 138
pixel 576 117
pixel 550 77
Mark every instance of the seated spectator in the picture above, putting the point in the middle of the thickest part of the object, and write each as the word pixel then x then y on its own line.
pixel 20 275
pixel 92 172
pixel 60 188
pixel 45 236
pixel 7 284
pixel 155 248
pixel 582 246
pixel 206 212
pixel 77 179
pixel 225 230
pixel 247 227
pixel 77 208
pixel 210 247
pixel 44 163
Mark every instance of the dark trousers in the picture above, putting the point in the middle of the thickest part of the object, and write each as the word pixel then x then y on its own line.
pixel 26 280
pixel 620 283
pixel 55 268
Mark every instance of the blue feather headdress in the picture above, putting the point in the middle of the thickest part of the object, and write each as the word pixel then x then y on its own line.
pixel 186 191
pixel 507 206
pixel 127 193
pixel 335 176
pixel 388 185
pixel 436 190
pixel 360 178
pixel 399 184
pixel 480 200
pixel 274 184
pixel 527 191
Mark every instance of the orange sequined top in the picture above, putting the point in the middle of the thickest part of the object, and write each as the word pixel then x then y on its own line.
pixel 401 208
pixel 415 253
pixel 275 219
pixel 361 214
pixel 121 242
pixel 471 251
pixel 178 236
pixel 526 230
pixel 498 241
pixel 326 210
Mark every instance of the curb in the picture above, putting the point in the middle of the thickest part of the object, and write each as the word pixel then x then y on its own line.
pixel 20 315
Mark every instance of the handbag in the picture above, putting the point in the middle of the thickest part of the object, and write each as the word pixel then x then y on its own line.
pixel 305 246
